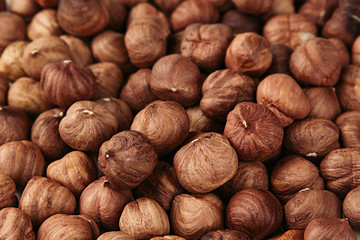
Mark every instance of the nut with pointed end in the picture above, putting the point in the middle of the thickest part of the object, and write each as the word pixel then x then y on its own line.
pixel 7 192
pixel 115 235
pixel 12 29
pixel 15 224
pixel 351 208
pixel 225 234
pixel 11 60
pixel 43 24
pixel 80 51
pixel 347 89
pixel 349 126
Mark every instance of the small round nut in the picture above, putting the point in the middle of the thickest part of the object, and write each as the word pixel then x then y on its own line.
pixel 349 126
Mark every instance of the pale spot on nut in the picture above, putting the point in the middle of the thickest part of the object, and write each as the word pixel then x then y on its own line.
pixel 59 115
pixel 313 154
pixel 67 61
pixel 86 111
pixel 244 123
pixel 107 156
pixel 305 36
pixel 106 99
pixel 305 189
pixel 34 51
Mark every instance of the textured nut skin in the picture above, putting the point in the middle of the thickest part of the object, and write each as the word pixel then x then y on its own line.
pixel 317 11
pixel 154 220
pixel 254 212
pixel 351 208
pixel 146 9
pixel 11 60
pixel 355 52
pixel 80 52
pixel 194 215
pixel 115 235
pixel 342 50
pixel 167 6
pixel 256 7
pixel 284 97
pixel 117 13
pixel 239 22
pixel 222 90
pixel 307 205
pixel 346 90
pixel 292 234
pixel 103 203
pixel 43 24
pixel 7 192
pixel 127 159
pixel 200 122
pixel 281 57
pixel 12 29
pixel 15 224
pixel 349 126
pixel 168 237
pixel 254 131
pixel 225 234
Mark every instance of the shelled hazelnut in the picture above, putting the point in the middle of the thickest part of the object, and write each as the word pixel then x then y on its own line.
pixel 15 224
pixel 12 28
pixel 80 51
pixel 4 87
pixel 351 207
pixel 346 90
pixel 279 7
pixel 281 57
pixel 200 122
pixel 225 234
pixel 167 6
pixel 240 22
pixel 317 11
pixel 7 192
pixel 43 24
pixel 342 50
pixel 292 234
pixel 355 52
pixel 349 126
pixel 115 235
pixel 252 7
pixel 47 3
pixel 11 60
pixel 117 13
pixel 24 8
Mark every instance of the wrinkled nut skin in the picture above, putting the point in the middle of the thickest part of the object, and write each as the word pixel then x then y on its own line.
pixel 115 235
pixel 239 22
pixel 316 62
pixel 347 89
pixel 342 50
pixel 254 131
pixel 194 215
pixel 307 205
pixel 200 122
pixel 7 192
pixel 63 226
pixel 117 13
pixel 292 174
pixel 43 24
pixel 355 52
pixel 349 126
pixel 11 60
pixel 249 53
pixel 80 51
pixel 154 220
pixel 351 208
pixel 317 11
pixel 12 28
pixel 165 123
pixel 249 204
pixel 103 203
pixel 15 224
pixel 146 9
pixel 292 234
pixel 339 168
pixel 206 44
pixel 87 125
pixel 281 57
pixel 51 198
pixel 284 97
pixel 127 159
pixel 329 228
pixel 252 7
pixel 222 90
pixel 225 234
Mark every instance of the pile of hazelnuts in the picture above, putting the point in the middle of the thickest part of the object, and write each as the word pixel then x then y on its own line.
pixel 179 119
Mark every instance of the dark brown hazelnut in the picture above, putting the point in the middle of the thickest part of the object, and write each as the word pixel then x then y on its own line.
pixel 281 58
pixel 292 234
pixel 87 125
pixel 225 234
pixel 80 52
pixel 165 123
pixel 167 6
pixel 347 89
pixel 284 97
pixel 82 18
pixel 154 220
pixel 194 215
pixel 355 52
pixel 254 131
pixel 255 212
pixel 342 50
pixel 7 192
pixel 252 7
pixel 24 8
pixel 307 205
pixel 65 82
pixel 349 126
pixel 351 207
pixel 329 228
pixel 249 53
pixel 115 235
pixel 15 224
pixel 241 23
pixel 12 29
pixel 176 78
pixel 311 138
pixel 117 13
pixel 43 24
pixel 200 122
pixel 47 3
pixel 4 87
pixel 206 44
pixel 317 11
pixel 11 60
pixel 222 5
pixel 103 203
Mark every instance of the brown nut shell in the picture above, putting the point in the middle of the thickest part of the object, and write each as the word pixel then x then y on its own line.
pixel 281 57
pixel 12 28
pixel 342 50
pixel 7 192
pixel 15 224
pixel 347 89
pixel 349 126
pixel 351 208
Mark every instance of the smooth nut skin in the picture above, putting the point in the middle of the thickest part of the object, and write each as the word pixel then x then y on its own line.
pixel 316 62
pixel 24 8
pixel 154 220
pixel 284 97
pixel 12 29
pixel 7 192
pixel 346 90
pixel 11 60
pixel 117 13
pixel 43 24
pixel 103 203
pixel 51 198
pixel 292 234
pixel 87 125
pixel 329 228
pixel 222 90
pixel 206 44
pixel 176 78
pixel 307 205
pixel 349 126
pixel 251 7
pixel 15 224
pixel 127 159
pixel 165 123
pixel 200 122
pixel 317 11
pixel 115 235
pixel 80 51
pixel 351 208
pixel 342 50
pixel 254 131
pixel 355 52
pixel 194 215
pixel 254 212
pixel 281 57
pixel 292 174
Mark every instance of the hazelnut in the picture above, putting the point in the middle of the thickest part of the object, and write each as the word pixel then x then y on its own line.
pixel 347 89
pixel 165 123
pixel 254 131
pixel 154 220
pixel 115 235
pixel 316 62
pixel 351 207
pixel 87 125
pixel 252 7
pixel 240 23
pixel 200 122
pixel 117 13
pixel 80 52
pixel 249 53
pixel 4 87
pixel 225 234
pixel 82 18
pixel 11 60
pixel 146 9
pixel 317 11
pixel 24 8
pixel 292 234
pixel 176 78
pixel 355 52
pixel 174 42
pixel 131 3
pixel 206 44
pixel 103 203
pixel 349 126
pixel 127 159
pixel 257 213
pixel 47 3
pixel 194 215
pixel 168 237
pixel 342 51
pixel 15 224
pixel 307 205
pixel 7 192
pixel 65 82
pixel 279 7
pixel 284 97
pixel 43 24
pixel 281 58
pixel 167 6
pixel 12 28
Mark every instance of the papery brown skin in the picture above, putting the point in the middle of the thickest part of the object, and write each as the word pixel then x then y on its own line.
pixel 115 235
pixel 351 208
pixel 12 29
pixel 167 6
pixel 168 237
pixel 291 30
pixel 194 215
pixel 103 203
pixel 24 8
pixel 254 212
pixel 355 52
pixel 4 87
pixel 349 126
pixel 281 57
pixel 342 50
pixel 80 51
pixel 257 7
pixel 347 89
pixel 15 224
pixel 87 125
pixel 51 198
pixel 249 53
pixel 329 228
pixel 222 5
pixel 47 3
pixel 279 7
pixel 193 11
pixel 225 234
pixel 292 174
pixel 317 11
pixel 146 9
pixel 254 131
pixel 63 226
pixel 307 205
pixel 323 102
pixel 7 192
pixel 165 123
pixel 239 22
pixel 292 234
pixel 200 122
pixel 43 24
pixel 117 13
pixel 284 97
pixel 11 60
pixel 176 78
pixel 154 220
